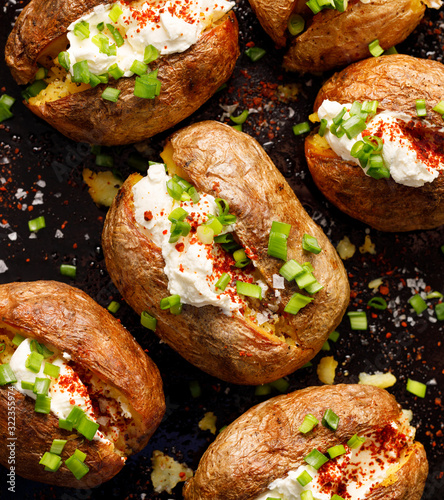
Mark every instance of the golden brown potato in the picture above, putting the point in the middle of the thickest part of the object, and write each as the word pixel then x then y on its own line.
pixel 187 79
pixel 265 444
pixel 69 321
pixel 396 82
pixel 332 38
pixel 228 164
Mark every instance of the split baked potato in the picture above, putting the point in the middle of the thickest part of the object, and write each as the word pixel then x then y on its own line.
pixel 101 368
pixel 261 454
pixel 332 38
pixel 255 341
pixel 188 79
pixel 396 82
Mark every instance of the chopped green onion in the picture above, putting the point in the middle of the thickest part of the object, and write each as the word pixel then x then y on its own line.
pixel 277 245
pixel 310 244
pixel 309 423
pixel 63 59
pixel 355 441
pixel 178 214
pixel 290 270
pixel 375 142
pixel 370 107
pixel 150 54
pixel 81 73
pixel 103 78
pixel 305 279
pixel 341 5
pixel 255 53
pixel 323 127
pixel 18 339
pixel 336 451
pixel 75 415
pixel 325 346
pixel 36 346
pixel 249 290
pixel 296 24
pixel 102 41
pixel 334 336
pixel 375 49
pixel 57 446
pixel 241 118
pixel 68 270
pixel 34 361
pixel 113 307
pixel 356 108
pixel 147 86
pixel 390 51
pixel 40 75
pixel 418 303
pixel 64 424
pixel 41 386
pixel 330 420
pixel 79 455
pixel 301 128
pixel 2 347
pixel 7 376
pixel 223 281
pixel 34 89
pixel 439 108
pixel 358 320
pixel 174 189
pixel 337 130
pixel 354 126
pixel 101 26
pixel 421 109
pixel 304 478
pixel 179 229
pixel 51 370
pixel 241 258
pixel 87 428
pixel 297 302
pixel 313 288
pixel 42 404
pixel 50 460
pixel 439 311
pixel 280 385
pixel 314 6
pixel 35 225
pixel 280 227
pixel 115 33
pixel 5 113
pixel 94 80
pixel 78 468
pixel 45 351
pixel 205 234
pixel 115 71
pixel 195 389
pixel 337 120
pixel 434 295
pixel 111 94
pixel 167 302
pixel 337 497
pixel 237 127
pixel 176 309
pixel 262 390
pixel 215 225
pixel 185 185
pixel 316 459
pixel 227 219
pixel 377 303
pixel 7 100
pixel 28 386
pixel 148 321
pixel 81 30
pixel 104 160
pixel 222 206
pixel 417 388
pixel 307 495
pixel 115 13
pixel 195 197
pixel 308 267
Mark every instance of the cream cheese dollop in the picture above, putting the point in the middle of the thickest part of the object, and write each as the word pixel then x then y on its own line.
pixel 399 152
pixel 171 26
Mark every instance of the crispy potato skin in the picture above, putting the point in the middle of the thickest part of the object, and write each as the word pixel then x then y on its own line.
pixel 231 165
pixel 395 82
pixel 335 39
pixel 188 79
pixel 68 319
pixel 264 443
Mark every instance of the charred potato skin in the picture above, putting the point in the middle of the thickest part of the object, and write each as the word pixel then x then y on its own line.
pixel 188 79
pixel 383 204
pixel 264 443
pixel 68 319
pixel 231 165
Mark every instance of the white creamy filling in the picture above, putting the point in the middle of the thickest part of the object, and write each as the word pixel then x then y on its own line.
pixel 398 152
pixel 171 26
pixel 359 463
pixel 65 392
pixel 433 4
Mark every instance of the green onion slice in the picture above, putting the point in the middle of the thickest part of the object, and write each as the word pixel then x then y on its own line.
pixel 174 189
pixel 277 245
pixel 296 303
pixel 170 301
pixel 41 386
pixel 195 388
pixel 28 386
pixel 417 388
pixel 262 390
pixel 310 244
pixel 421 109
pixel 111 94
pixel 336 451
pixel 79 455
pixel 355 441
pixel 255 53
pixel 34 361
pixel 334 336
pixel 304 478
pixel 223 281
pixel 316 459
pixel 115 33
pixel 78 468
pixel 148 321
pixel 150 54
pixel 301 128
pixel 439 108
pixel 7 100
pixel 358 320
pixel 309 423
pixel 87 427
pixel 375 49
pixel 81 30
pixel 7 376
pixel 439 311
pixel 291 269
pixel 306 495
pixel 434 295
pixel 323 127
pixel 50 460
pixel 68 270
pixel 241 118
pixel 178 214
pixel 280 385
pixel 42 404
pixel 296 24
pixel 51 370
pixel 115 13
pixel 18 339
pixel 57 446
pixel 330 420
pixel 35 225
pixel 75 415
pixel 305 279
pixel 249 289
pixel 377 303
pixel 64 424
pixel 81 73
pixel 418 303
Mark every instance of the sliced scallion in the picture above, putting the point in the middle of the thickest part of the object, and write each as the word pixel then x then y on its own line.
pixel 262 390
pixel 421 109
pixel 241 258
pixel 241 118
pixel 111 94
pixel 75 415
pixel 291 269
pixel 18 339
pixel 50 461
pixel 249 289
pixel 439 108
pixel 7 376
pixel 316 459
pixel 81 30
pixel 296 303
pixel 41 386
pixel 418 303
pixel 68 270
pixel 81 72
pixel 34 361
pixel 115 13
pixel 115 33
pixel 51 370
pixel 215 225
pixel 334 336
pixel 78 468
pixel 87 428
pixel 434 295
pixel 377 303
pixel 301 128
pixel 113 307
pixel 42 404
pixel 195 389
pixel 417 388
pixel 296 24
pixel 313 288
pixel 178 214
pixel 355 441
pixel 148 321
pixel 336 451
pixel 277 245
pixel 170 301
pixel 358 320
pixel 323 127
pixel 57 446
pixel 205 234
pixel 330 420
pixel 79 455
pixel 115 71
pixel 439 311
pixel 304 478
pixel 63 59
pixel 5 113
pixel 309 423
pixel 36 224
pixel 7 100
pixel 64 424
pixel 150 54
pixel 255 53
pixel 375 49
pixel 280 385
pixel 307 495
pixel 27 386
pixel 310 244
pixel 223 281
pixel 305 279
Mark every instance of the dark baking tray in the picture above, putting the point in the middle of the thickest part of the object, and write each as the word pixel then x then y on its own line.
pixel 32 152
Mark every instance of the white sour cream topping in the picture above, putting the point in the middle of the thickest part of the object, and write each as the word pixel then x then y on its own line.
pixel 399 152
pixel 65 392
pixel 171 26
pixel 358 469
pixel 192 268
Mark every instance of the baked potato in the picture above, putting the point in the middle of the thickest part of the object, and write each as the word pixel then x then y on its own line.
pixel 78 110
pixel 98 367
pixel 413 196
pixel 333 38
pixel 264 452
pixel 237 336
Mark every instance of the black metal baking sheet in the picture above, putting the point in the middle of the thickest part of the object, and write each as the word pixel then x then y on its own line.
pixel 40 174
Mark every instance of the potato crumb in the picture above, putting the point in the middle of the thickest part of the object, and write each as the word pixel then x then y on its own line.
pixel 378 379
pixel 167 472
pixel 314 117
pixel 103 186
pixel 368 246
pixel 376 283
pixel 327 370
pixel 345 248
pixel 208 423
